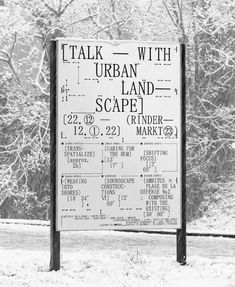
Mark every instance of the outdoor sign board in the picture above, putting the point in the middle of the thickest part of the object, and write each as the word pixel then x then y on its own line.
pixel 118 130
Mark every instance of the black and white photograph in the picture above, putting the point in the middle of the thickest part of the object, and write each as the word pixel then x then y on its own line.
pixel 117 143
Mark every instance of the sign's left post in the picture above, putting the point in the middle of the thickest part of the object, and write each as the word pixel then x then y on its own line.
pixel 54 234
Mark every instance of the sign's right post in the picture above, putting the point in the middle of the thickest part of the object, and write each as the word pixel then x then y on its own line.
pixel 181 233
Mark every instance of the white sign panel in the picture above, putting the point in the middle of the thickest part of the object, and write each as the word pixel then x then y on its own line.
pixel 118 135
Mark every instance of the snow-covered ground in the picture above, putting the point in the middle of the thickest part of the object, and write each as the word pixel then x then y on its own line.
pixel 220 214
pixel 90 263
pixel 114 268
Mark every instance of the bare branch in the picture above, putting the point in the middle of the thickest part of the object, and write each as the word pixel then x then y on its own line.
pixel 110 25
pixel 81 20
pixel 6 54
pixel 60 6
pixel 4 60
pixel 101 28
pixel 169 13
pixel 53 4
pixel 8 59
pixel 13 45
pixel 150 5
pixel 179 6
pixel 65 7
pixel 50 8
pixel 14 72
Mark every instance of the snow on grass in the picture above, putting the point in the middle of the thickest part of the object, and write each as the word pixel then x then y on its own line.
pixel 112 269
pixel 220 214
pixel 109 266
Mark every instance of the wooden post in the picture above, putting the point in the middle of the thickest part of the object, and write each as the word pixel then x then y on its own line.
pixel 181 233
pixel 54 235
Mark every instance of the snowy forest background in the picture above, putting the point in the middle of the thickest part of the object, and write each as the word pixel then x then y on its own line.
pixel 207 27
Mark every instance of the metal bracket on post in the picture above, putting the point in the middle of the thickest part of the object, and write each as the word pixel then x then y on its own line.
pixel 54 235
pixel 181 233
